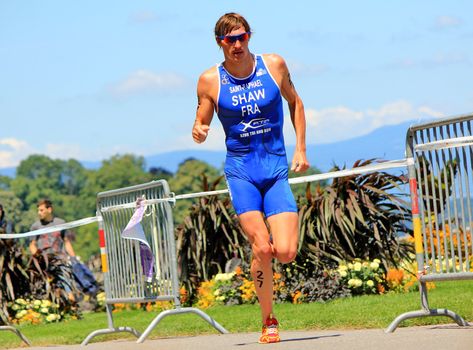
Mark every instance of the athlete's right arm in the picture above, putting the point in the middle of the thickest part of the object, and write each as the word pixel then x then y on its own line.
pixel 205 107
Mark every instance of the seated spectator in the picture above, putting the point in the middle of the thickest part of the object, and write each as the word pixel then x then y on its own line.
pixel 58 242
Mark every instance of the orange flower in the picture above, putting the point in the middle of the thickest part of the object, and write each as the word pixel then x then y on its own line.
pixel 205 294
pixel 183 294
pixel 394 278
pixel 296 296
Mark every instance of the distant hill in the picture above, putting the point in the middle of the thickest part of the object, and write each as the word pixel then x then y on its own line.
pixel 387 142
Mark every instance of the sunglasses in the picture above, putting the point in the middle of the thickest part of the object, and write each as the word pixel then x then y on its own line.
pixel 230 39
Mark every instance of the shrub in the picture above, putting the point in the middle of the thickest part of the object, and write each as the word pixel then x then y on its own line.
pixel 357 216
pixel 208 239
pixel 304 281
pixel 41 277
pixel 295 283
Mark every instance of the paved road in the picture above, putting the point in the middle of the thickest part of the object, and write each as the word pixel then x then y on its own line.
pixel 440 337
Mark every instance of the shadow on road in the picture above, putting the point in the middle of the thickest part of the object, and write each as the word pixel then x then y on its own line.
pixel 295 339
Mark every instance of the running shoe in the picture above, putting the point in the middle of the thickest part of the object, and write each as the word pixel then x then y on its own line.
pixel 270 332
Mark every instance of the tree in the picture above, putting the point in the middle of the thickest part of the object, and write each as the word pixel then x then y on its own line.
pixel 121 171
pixel 188 179
pixel 39 177
pixel 12 208
pixel 160 173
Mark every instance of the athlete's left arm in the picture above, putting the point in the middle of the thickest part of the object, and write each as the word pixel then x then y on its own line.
pixel 296 109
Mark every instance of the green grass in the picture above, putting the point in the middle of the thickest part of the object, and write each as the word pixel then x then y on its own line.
pixel 376 311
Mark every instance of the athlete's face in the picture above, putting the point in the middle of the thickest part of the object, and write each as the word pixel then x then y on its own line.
pixel 45 213
pixel 237 50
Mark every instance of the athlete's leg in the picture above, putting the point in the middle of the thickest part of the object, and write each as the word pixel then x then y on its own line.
pixel 257 233
pixel 281 212
pixel 285 232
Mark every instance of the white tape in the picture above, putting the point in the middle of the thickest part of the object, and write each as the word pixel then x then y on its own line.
pixel 443 144
pixel 65 226
pixel 402 163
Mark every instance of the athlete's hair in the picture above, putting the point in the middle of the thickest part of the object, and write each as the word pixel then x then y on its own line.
pixel 46 202
pixel 229 22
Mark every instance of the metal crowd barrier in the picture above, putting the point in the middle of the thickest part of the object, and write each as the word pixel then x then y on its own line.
pixel 143 269
pixel 441 185
pixel 17 332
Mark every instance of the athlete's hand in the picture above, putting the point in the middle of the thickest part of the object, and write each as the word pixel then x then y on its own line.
pixel 200 132
pixel 299 163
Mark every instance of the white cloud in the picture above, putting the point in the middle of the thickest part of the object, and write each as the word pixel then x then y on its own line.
pixel 342 123
pixel 296 67
pixel 444 22
pixel 143 17
pixel 144 81
pixel 12 151
pixel 437 60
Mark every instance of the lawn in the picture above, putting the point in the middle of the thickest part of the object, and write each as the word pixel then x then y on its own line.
pixel 375 311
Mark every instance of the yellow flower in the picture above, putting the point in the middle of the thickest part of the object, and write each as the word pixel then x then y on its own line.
pixel 20 314
pixel 370 283
pixel 52 317
pixel 357 266
pixel 374 265
pixel 224 276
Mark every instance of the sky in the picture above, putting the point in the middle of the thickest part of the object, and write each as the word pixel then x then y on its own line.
pixel 91 79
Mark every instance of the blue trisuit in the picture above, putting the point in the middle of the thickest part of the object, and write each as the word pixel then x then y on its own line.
pixel 256 169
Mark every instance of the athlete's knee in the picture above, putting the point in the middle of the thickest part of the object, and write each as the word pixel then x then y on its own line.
pixel 263 252
pixel 285 256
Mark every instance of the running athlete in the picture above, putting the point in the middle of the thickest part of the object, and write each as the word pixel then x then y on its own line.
pixel 246 92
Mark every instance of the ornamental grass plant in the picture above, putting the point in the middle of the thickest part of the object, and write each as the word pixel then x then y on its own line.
pixel 32 288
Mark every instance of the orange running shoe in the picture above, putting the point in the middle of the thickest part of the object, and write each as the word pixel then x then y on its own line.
pixel 270 331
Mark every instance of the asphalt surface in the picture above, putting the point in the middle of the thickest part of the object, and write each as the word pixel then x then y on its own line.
pixel 438 337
